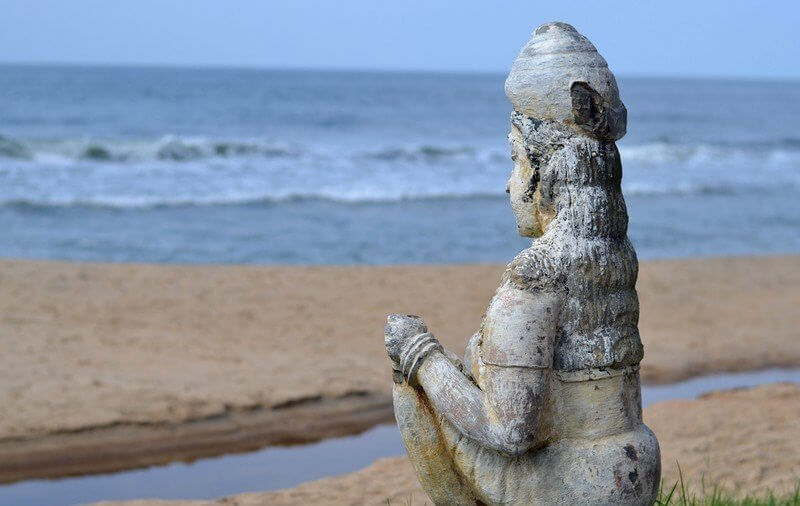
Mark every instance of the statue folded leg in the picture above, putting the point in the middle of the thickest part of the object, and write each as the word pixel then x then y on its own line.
pixel 429 448
pixel 445 460
pixel 455 469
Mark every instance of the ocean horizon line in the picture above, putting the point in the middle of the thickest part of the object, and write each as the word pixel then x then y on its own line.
pixel 370 71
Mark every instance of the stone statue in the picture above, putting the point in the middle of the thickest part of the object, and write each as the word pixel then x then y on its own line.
pixel 546 406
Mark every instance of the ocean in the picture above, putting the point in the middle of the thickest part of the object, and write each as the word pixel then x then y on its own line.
pixel 173 165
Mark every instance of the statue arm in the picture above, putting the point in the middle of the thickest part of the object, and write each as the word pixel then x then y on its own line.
pixel 503 417
pixel 515 362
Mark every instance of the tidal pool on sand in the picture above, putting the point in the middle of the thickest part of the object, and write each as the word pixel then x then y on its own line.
pixel 282 467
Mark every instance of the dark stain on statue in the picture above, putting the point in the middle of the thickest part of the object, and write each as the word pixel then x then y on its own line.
pixel 630 451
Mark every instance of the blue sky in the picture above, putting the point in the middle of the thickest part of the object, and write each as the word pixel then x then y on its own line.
pixel 708 38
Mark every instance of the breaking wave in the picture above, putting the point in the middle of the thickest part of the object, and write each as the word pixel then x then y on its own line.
pixel 196 171
pixel 170 147
pixel 175 148
pixel 9 148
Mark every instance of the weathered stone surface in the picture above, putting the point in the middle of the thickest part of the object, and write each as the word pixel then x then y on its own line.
pixel 547 406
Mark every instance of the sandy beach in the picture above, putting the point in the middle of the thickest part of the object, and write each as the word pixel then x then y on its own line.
pixel 106 367
pixel 754 447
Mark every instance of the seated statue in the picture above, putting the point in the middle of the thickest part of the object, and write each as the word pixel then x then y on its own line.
pixel 546 406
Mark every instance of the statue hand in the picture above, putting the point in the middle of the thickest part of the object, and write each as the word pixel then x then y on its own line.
pixel 408 343
pixel 399 328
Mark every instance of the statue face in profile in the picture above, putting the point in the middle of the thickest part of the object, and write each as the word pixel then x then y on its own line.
pixel 524 190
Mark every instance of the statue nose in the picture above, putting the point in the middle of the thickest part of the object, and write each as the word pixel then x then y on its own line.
pixel 508 188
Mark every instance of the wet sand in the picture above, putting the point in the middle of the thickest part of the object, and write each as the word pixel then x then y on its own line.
pixel 107 367
pixel 743 440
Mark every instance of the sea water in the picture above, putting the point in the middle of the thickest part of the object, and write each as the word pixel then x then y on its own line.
pixel 268 166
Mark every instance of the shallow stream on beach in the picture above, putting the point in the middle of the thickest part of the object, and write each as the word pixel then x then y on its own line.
pixel 282 467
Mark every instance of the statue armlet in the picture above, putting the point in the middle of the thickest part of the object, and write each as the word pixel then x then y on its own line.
pixel 519 328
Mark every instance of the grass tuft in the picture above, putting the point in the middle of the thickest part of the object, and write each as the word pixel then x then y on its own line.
pixel 680 495
pixel 719 497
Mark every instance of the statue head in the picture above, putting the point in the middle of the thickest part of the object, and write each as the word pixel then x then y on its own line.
pixel 560 88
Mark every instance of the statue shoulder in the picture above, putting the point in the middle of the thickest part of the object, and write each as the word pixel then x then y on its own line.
pixel 520 324
pixel 519 328
pixel 533 269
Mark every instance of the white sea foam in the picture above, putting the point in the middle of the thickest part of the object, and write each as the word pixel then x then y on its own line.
pixel 181 171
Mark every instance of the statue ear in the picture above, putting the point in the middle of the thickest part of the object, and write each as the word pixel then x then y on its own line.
pixel 589 110
pixel 594 115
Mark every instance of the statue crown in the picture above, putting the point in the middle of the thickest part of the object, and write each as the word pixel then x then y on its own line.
pixel 559 76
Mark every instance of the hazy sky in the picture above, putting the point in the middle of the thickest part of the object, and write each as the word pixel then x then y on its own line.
pixel 638 37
